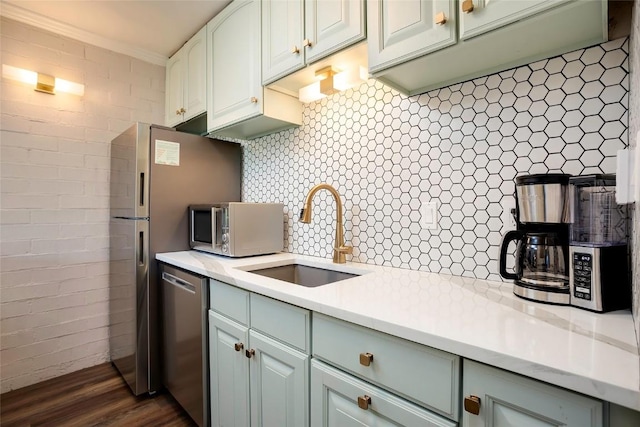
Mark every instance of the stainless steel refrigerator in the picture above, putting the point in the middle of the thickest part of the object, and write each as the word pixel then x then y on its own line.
pixel 156 173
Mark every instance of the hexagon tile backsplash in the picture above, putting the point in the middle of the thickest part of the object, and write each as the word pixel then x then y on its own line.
pixel 462 146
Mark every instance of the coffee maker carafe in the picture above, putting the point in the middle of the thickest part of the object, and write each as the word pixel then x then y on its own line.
pixel 599 270
pixel 542 239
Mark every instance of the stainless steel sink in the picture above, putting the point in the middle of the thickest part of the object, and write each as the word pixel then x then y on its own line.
pixel 304 275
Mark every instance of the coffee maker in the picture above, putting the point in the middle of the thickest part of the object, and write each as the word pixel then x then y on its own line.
pixel 599 267
pixel 542 239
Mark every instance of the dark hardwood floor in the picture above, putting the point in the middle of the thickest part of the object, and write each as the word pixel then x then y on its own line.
pixel 95 396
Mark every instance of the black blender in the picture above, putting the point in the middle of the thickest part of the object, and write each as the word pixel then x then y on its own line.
pixel 542 239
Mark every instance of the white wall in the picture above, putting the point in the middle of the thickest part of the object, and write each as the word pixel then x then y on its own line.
pixel 55 199
pixel 462 146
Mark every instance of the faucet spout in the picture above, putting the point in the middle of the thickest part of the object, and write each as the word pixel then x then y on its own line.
pixel 339 248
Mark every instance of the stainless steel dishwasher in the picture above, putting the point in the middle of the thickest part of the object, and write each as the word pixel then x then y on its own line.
pixel 185 371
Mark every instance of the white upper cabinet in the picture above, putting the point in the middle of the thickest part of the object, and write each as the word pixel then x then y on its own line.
pixel 186 85
pixel 331 25
pixel 419 45
pixel 173 92
pixel 234 64
pixel 237 104
pixel 296 33
pixel 282 37
pixel 195 85
pixel 403 30
pixel 480 16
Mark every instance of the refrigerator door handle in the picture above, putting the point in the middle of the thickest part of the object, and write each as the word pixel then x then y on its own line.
pixel 141 188
pixel 176 281
pixel 141 248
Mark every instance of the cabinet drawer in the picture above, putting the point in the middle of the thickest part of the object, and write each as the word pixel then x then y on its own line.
pixel 425 375
pixel 284 322
pixel 509 399
pixel 336 399
pixel 228 300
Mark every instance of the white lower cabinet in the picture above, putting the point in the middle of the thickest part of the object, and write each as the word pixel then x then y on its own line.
pixel 259 361
pixel 420 374
pixel 495 398
pixel 229 371
pixel 279 384
pixel 342 400
pixel 262 375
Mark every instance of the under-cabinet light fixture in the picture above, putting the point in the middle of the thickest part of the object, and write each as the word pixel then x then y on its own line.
pixel 42 82
pixel 329 81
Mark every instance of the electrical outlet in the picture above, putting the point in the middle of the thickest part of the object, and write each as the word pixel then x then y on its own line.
pixel 429 215
pixel 508 214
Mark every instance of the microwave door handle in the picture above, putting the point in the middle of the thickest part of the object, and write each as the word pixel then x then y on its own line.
pixel 214 227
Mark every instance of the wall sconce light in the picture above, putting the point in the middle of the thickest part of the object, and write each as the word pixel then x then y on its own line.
pixel 331 81
pixel 42 82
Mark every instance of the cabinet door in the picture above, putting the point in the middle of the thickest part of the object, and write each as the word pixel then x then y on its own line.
pixel 331 25
pixel 282 38
pixel 279 384
pixel 341 400
pixel 229 372
pixel 508 400
pixel 195 83
pixel 400 30
pixel 489 15
pixel 174 90
pixel 233 65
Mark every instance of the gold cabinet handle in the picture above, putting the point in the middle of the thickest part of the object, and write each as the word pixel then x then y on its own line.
pixel 366 359
pixel 364 402
pixel 306 43
pixel 295 49
pixel 472 404
pixel 467 6
pixel 249 353
pixel 182 110
pixel 178 112
pixel 441 19
pixel 254 100
pixel 238 346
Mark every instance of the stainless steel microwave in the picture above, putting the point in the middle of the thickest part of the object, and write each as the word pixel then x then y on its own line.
pixel 237 229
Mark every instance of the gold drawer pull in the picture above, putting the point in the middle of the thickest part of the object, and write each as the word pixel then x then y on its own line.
pixel 238 346
pixel 364 402
pixel 295 49
pixel 306 43
pixel 467 6
pixel 249 353
pixel 254 100
pixel 441 19
pixel 178 112
pixel 472 404
pixel 366 359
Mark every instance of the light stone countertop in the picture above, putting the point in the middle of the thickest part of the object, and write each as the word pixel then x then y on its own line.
pixel 594 354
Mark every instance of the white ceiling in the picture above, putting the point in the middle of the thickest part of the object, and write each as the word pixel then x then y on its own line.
pixel 152 26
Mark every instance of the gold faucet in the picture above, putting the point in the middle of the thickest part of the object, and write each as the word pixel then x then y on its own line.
pixel 339 248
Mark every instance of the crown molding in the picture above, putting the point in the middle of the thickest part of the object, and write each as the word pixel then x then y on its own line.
pixel 19 14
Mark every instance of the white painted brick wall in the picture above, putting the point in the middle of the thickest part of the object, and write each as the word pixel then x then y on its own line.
pixel 54 170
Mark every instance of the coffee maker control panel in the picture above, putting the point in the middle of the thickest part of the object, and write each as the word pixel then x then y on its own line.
pixel 599 278
pixel 582 271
